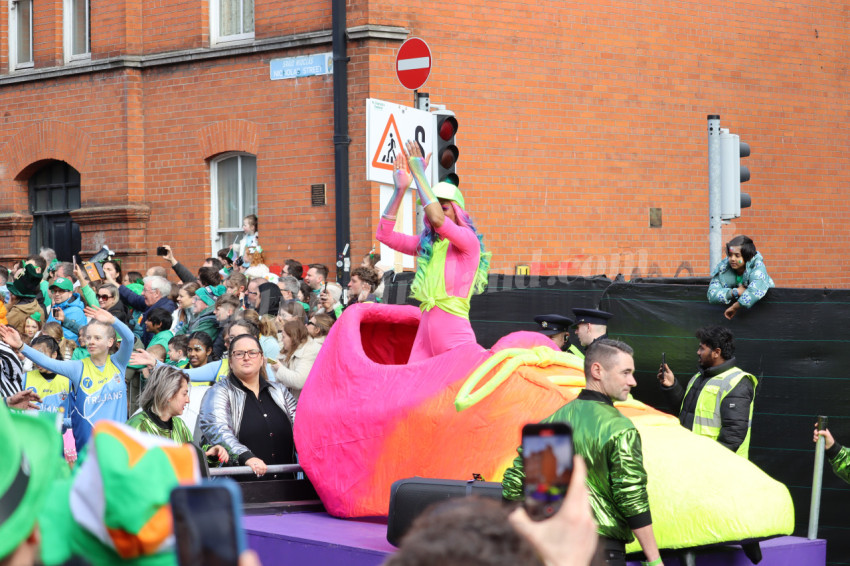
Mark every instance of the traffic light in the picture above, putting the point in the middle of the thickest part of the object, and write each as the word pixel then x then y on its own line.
pixel 732 174
pixel 447 152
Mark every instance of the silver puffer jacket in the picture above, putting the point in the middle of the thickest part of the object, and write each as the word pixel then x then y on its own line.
pixel 222 409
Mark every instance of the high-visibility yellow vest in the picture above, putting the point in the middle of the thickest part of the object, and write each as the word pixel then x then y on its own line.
pixel 707 420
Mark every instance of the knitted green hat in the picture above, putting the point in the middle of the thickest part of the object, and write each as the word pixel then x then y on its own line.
pixel 31 462
pixel 116 507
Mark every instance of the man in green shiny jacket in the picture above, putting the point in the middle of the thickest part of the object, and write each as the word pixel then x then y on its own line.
pixel 839 457
pixel 611 446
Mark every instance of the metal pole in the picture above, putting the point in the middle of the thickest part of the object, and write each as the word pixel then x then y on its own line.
pixel 341 142
pixel 715 234
pixel 817 481
pixel 246 470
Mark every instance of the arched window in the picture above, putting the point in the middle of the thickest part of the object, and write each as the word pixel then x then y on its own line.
pixel 54 193
pixel 233 178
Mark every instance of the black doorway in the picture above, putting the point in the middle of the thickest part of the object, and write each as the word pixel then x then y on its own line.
pixel 54 193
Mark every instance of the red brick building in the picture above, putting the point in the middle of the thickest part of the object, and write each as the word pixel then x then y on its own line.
pixel 151 122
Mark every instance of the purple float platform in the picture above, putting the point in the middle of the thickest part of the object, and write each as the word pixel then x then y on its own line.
pixel 318 539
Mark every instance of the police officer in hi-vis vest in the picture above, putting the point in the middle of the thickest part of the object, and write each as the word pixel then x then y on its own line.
pixel 718 400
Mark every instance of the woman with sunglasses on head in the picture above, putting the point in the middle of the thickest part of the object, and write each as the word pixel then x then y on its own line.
pixel 246 413
pixel 319 327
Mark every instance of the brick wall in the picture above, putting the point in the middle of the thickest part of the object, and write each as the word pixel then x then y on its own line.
pixel 576 118
pixel 574 121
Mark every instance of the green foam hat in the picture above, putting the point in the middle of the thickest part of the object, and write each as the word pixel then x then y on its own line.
pixel 31 462
pixel 116 508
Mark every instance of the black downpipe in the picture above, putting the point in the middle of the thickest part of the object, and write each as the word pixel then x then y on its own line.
pixel 341 143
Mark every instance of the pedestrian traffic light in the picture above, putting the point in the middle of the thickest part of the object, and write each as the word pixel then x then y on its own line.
pixel 732 174
pixel 447 152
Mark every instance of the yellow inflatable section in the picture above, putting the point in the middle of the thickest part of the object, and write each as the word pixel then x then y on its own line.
pixel 700 492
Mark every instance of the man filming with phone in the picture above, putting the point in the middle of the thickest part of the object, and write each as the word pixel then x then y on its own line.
pixel 611 447
pixel 718 400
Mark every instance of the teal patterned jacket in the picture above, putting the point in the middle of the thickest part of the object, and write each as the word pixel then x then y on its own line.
pixel 755 279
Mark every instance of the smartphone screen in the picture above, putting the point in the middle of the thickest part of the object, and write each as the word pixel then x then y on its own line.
pixel 547 454
pixel 205 525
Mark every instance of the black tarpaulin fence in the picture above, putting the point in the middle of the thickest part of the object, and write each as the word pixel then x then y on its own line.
pixel 796 341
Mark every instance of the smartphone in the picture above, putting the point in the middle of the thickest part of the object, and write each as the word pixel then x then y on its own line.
pixel 208 523
pixel 663 359
pixel 55 311
pixel 547 457
pixel 160 250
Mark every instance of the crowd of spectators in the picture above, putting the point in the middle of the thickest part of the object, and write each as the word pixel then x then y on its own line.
pixel 88 319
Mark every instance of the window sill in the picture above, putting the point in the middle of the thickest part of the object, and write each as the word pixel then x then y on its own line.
pixel 233 41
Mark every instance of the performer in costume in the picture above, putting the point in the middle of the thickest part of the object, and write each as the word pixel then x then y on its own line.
pixel 99 382
pixel 452 264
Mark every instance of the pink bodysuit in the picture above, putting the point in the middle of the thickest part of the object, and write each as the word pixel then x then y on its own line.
pixel 439 330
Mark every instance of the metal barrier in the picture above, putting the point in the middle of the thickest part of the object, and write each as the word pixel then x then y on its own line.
pixel 246 470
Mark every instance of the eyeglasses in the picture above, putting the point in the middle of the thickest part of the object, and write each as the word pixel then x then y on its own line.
pixel 196 348
pixel 57 290
pixel 250 354
pixel 251 293
pixel 104 297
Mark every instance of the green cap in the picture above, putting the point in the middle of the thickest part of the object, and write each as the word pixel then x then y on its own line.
pixel 62 283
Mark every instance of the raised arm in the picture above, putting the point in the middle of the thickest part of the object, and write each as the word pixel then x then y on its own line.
pixel 417 164
pixel 131 299
pixel 72 369
pixel 386 233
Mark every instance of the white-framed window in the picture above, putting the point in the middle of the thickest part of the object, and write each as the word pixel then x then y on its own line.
pixel 233 179
pixel 77 26
pixel 231 20
pixel 20 34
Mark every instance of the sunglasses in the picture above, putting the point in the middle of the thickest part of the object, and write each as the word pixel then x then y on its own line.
pixel 104 297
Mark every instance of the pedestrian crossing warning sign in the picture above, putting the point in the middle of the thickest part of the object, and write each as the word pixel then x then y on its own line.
pixel 389 127
pixel 388 147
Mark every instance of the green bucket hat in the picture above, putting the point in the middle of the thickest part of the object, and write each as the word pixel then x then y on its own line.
pixel 30 464
pixel 116 509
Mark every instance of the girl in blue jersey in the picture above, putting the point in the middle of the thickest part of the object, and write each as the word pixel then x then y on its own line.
pixel 54 390
pixel 100 391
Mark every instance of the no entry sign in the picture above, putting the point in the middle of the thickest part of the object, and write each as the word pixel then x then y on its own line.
pixel 413 63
